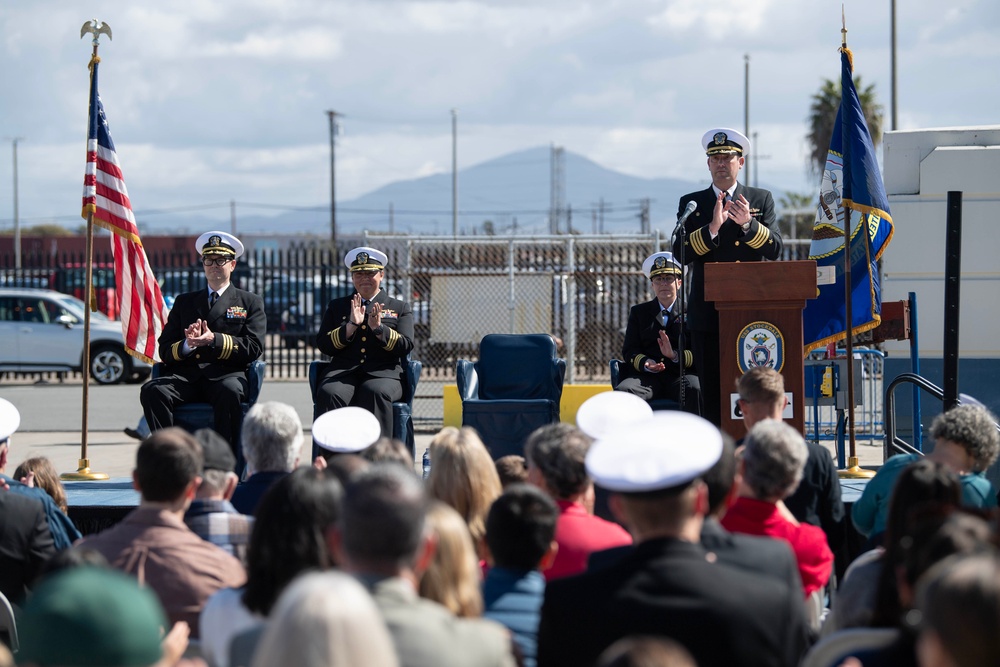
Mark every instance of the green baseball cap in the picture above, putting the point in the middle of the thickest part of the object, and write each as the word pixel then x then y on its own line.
pixel 91 617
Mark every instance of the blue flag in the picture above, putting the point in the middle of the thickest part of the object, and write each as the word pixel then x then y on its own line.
pixel 851 183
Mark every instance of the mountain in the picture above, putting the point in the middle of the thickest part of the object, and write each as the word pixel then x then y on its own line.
pixel 508 193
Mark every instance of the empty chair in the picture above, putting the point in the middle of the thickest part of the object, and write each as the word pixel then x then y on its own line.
pixel 514 388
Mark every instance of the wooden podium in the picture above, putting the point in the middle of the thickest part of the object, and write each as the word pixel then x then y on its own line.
pixel 760 324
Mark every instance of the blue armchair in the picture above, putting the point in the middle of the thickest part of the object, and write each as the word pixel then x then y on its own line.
pixel 194 416
pixel 513 389
pixel 402 410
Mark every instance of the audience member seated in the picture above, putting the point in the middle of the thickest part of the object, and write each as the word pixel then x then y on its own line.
pixel 63 532
pixel 272 439
pixel 287 540
pixel 816 500
pixel 153 544
pixel 924 486
pixel 25 544
pixel 382 540
pixel 512 469
pixel 653 367
pixel 932 541
pixel 959 601
pixel 646 652
pixel 87 616
pixel 38 471
pixel 325 619
pixel 341 431
pixel 211 516
pixel 555 455
pixel 520 534
pixel 464 476
pixel 965 440
pixel 389 449
pixel 667 586
pixel 773 456
pixel 453 576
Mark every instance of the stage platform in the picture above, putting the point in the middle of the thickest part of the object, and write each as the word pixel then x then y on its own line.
pixel 94 506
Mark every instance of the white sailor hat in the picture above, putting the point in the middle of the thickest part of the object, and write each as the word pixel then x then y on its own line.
pixel 661 262
pixel 365 259
pixel 603 414
pixel 725 140
pixel 666 450
pixel 10 419
pixel 219 243
pixel 346 430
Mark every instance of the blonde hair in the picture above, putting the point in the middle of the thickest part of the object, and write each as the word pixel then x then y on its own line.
pixel 463 476
pixel 453 578
pixel 325 619
pixel 46 478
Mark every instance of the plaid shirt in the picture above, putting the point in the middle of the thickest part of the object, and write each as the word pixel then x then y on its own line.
pixel 218 522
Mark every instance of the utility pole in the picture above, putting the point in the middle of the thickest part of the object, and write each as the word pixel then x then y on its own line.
pixel 333 179
pixel 17 222
pixel 232 216
pixel 392 223
pixel 557 184
pixel 644 215
pixel 892 60
pixel 454 172
pixel 746 105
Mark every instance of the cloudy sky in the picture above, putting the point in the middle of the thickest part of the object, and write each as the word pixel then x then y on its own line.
pixel 218 100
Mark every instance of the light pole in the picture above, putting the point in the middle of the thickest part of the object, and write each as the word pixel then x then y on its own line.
pixel 746 105
pixel 333 179
pixel 17 223
pixel 454 172
pixel 892 60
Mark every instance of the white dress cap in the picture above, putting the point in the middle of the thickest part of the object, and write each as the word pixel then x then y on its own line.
pixel 346 430
pixel 10 419
pixel 219 243
pixel 605 413
pixel 668 449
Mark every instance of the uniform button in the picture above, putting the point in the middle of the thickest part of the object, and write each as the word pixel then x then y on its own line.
pixel 364 326
pixel 197 356
pixel 362 349
pixel 363 339
pixel 737 261
pixel 737 243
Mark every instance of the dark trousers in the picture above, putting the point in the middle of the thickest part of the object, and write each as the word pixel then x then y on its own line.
pixel 705 346
pixel 358 388
pixel 654 386
pixel 160 397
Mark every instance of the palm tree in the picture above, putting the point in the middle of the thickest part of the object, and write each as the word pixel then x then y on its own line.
pixel 823 114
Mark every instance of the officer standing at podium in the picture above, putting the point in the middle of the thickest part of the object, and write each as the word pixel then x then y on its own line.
pixel 732 223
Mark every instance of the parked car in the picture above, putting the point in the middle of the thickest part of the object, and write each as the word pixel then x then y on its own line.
pixel 42 330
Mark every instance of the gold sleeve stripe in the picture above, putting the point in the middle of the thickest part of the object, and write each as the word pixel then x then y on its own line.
pixel 698 243
pixel 227 347
pixel 638 360
pixel 760 238
pixel 393 339
pixel 688 358
pixel 175 350
pixel 336 340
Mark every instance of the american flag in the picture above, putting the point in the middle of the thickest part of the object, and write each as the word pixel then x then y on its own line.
pixel 140 302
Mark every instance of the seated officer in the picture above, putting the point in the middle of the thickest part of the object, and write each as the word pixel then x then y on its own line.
pixel 652 362
pixel 210 338
pixel 367 336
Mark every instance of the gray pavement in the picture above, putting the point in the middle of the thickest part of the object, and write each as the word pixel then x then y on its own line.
pixel 52 419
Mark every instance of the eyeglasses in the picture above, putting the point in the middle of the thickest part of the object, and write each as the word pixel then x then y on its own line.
pixel 218 261
pixel 366 274
pixel 663 279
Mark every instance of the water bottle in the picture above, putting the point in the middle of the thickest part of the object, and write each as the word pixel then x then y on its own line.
pixel 427 463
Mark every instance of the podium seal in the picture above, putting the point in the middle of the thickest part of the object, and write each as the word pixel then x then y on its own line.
pixel 760 344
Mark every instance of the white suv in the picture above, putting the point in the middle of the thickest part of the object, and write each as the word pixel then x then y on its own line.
pixel 42 330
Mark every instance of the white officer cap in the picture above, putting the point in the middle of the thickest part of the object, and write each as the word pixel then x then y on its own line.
pixel 661 262
pixel 365 259
pixel 10 419
pixel 603 414
pixel 725 140
pixel 666 450
pixel 346 430
pixel 219 243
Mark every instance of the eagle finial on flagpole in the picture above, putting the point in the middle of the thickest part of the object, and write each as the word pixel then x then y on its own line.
pixel 96 28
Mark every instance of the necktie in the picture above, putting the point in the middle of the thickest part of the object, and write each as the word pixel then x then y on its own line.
pixel 212 299
pixel 664 317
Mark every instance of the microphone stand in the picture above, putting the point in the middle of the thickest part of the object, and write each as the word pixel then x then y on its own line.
pixel 679 239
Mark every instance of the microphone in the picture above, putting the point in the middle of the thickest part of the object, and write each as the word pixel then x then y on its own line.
pixel 688 210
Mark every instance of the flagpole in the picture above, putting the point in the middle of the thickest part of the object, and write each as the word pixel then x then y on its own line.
pixel 83 472
pixel 854 469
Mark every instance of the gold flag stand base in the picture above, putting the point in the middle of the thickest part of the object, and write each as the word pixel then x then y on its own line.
pixel 855 471
pixel 83 473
